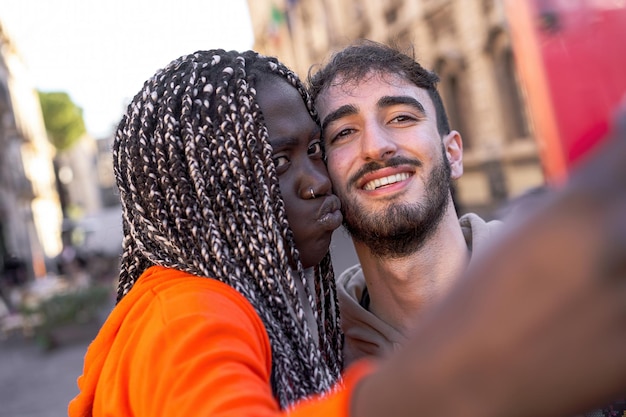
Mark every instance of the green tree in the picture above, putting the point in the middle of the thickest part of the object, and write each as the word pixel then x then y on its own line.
pixel 63 119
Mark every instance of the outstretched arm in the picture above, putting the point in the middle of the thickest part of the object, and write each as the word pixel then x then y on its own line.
pixel 538 326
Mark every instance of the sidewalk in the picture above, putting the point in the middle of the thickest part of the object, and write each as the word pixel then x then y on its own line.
pixel 36 383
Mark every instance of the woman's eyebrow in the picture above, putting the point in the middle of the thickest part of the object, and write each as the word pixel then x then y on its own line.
pixel 281 142
pixel 315 132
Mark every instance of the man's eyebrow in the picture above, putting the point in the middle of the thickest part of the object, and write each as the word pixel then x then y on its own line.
pixel 387 101
pixel 342 111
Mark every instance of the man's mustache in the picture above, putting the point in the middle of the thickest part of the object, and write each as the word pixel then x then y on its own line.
pixel 375 166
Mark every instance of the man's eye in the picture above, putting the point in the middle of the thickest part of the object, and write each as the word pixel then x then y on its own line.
pixel 343 133
pixel 339 136
pixel 315 148
pixel 280 161
pixel 402 118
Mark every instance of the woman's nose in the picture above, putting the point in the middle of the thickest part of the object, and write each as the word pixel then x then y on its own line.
pixel 316 182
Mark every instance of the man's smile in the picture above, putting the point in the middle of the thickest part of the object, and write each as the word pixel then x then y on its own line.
pixel 380 182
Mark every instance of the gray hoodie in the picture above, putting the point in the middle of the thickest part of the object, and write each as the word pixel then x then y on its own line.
pixel 366 334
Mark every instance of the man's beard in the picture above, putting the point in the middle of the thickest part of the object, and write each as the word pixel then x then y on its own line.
pixel 401 229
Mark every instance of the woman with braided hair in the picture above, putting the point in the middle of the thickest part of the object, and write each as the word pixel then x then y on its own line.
pixel 213 156
pixel 227 304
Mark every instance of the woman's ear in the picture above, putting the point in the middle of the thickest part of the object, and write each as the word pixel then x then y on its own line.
pixel 453 146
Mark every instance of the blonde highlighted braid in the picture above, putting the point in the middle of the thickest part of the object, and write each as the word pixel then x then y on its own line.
pixel 200 194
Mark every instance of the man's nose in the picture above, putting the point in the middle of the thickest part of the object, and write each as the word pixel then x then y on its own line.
pixel 376 142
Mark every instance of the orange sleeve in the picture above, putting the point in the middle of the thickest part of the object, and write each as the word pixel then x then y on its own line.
pixel 338 402
pixel 204 352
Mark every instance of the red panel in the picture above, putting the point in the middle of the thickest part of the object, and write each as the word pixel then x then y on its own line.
pixel 572 59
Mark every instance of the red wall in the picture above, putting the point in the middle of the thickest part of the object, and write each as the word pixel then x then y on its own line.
pixel 571 56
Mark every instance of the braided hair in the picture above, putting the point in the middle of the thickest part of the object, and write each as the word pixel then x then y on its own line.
pixel 200 194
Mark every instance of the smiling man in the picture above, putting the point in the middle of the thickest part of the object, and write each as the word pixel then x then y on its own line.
pixel 391 156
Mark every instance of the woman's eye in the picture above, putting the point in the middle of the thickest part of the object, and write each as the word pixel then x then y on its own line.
pixel 280 161
pixel 344 132
pixel 315 148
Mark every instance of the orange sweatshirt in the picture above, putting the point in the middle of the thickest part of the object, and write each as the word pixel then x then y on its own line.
pixel 179 345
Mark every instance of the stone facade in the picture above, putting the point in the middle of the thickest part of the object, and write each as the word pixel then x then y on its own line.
pixel 78 175
pixel 465 41
pixel 30 212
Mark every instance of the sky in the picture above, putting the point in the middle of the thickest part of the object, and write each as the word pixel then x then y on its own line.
pixel 101 51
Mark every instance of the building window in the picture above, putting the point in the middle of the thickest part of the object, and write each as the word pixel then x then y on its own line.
pixel 440 20
pixel 509 93
pixel 403 41
pixel 455 97
pixel 392 12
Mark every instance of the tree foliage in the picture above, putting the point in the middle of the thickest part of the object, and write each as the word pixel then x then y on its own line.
pixel 63 119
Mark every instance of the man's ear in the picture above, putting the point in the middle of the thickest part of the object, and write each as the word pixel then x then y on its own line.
pixel 453 146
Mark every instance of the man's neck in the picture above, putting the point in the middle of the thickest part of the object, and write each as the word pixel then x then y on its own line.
pixel 400 287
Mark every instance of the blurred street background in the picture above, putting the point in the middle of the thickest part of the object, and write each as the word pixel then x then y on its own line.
pixel 68 69
pixel 39 382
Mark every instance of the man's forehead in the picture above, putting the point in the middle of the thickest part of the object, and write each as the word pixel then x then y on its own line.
pixel 345 86
pixel 350 81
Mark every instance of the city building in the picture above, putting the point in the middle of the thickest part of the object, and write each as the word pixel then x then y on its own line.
pixel 30 211
pixel 106 177
pixel 465 41
pixel 78 178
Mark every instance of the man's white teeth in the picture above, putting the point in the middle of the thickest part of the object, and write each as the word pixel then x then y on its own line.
pixel 380 182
